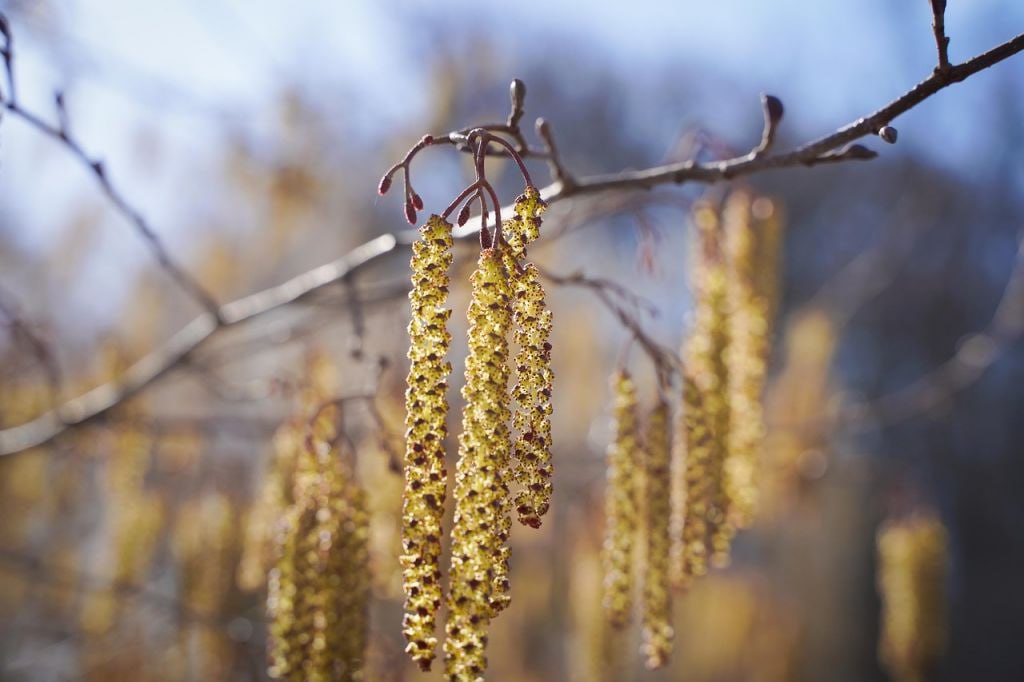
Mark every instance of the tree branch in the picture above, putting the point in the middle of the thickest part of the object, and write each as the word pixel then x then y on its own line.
pixel 61 133
pixel 831 148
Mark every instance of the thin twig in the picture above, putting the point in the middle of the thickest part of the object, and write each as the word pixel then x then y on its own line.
pixel 22 328
pixel 939 29
pixel 61 134
pixel 152 367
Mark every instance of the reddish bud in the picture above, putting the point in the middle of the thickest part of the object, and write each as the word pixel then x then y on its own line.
pixel 384 186
pixel 485 237
pixel 410 213
pixel 463 215
pixel 427 139
pixel 417 201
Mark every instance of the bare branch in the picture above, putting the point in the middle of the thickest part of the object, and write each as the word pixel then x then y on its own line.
pixel 939 29
pixel 831 148
pixel 61 133
pixel 22 328
pixel 558 170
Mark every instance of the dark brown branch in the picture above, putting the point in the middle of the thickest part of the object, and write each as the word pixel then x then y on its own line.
pixel 152 367
pixel 939 29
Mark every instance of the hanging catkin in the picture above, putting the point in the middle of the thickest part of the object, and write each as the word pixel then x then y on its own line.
pixel 319 589
pixel 259 549
pixel 705 354
pixel 657 603
pixel 748 345
pixel 479 586
pixel 691 460
pixel 912 565
pixel 532 392
pixel 426 430
pixel 621 514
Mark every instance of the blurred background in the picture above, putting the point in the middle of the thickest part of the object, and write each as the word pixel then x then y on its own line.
pixel 252 136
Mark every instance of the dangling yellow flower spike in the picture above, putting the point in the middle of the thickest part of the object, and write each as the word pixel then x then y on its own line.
pixel 426 430
pixel 479 586
pixel 657 613
pixel 621 514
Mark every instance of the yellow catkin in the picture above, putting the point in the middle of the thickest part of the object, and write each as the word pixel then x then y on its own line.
pixel 691 459
pixel 912 566
pixel 747 357
pixel 479 586
pixel 657 631
pixel 621 513
pixel 426 430
pixel 204 550
pixel 705 353
pixel 259 548
pixel 532 392
pixel 319 590
pixel 275 496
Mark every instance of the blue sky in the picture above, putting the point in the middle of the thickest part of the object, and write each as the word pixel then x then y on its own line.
pixel 179 69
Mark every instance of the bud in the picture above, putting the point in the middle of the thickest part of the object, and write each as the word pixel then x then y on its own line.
pixel 859 151
pixel 417 201
pixel 410 212
pixel 463 215
pixel 384 186
pixel 773 107
pixel 427 139
pixel 888 134
pixel 517 93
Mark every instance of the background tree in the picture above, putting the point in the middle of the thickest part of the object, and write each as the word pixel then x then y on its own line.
pixel 892 383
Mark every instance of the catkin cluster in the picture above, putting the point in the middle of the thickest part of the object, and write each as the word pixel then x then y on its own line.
pixel 621 512
pixel 657 603
pixel 319 588
pixel 426 430
pixel 912 566
pixel 721 425
pixel 507 303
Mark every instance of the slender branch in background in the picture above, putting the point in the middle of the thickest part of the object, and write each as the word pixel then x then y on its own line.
pixel 62 134
pixel 22 329
pixel 664 359
pixel 975 355
pixel 831 148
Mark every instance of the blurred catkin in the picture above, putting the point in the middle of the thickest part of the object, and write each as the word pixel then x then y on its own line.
pixel 259 550
pixel 426 411
pixel 621 513
pixel 479 586
pixel 319 589
pixel 912 567
pixel 747 357
pixel 692 487
pixel 205 551
pixel 705 354
pixel 657 630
